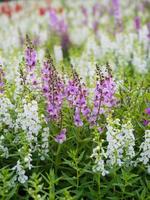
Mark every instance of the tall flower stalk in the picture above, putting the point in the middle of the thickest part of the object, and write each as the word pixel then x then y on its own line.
pixel 117 14
pixel 76 94
pixel 104 94
pixel 53 89
pixel 30 60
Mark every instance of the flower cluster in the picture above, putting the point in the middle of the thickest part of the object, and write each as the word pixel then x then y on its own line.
pixel 99 155
pixel 28 160
pixel 145 150
pixel 22 178
pixel 119 150
pixel 53 89
pixel 3 149
pixel 31 59
pixel 44 143
pixel 76 94
pixel 28 120
pixel 121 142
pixel 61 137
pixel 117 12
pixel 104 95
pixel 59 26
pixel 5 116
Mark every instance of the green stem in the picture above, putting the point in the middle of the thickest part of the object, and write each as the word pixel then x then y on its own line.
pixel 57 158
pixel 98 184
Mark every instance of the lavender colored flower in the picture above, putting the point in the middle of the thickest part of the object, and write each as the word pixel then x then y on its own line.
pixel 76 94
pixel 77 119
pixel 53 89
pixel 147 111
pixel 148 27
pixel 53 19
pixel 58 25
pixel 116 8
pixel 85 14
pixel 65 41
pixel 96 9
pixel 100 130
pixel 104 96
pixel 63 28
pixel 30 58
pixel 95 26
pixel 117 14
pixel 61 137
pixel 145 122
pixel 137 23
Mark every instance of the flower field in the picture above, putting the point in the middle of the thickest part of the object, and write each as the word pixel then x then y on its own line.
pixel 75 100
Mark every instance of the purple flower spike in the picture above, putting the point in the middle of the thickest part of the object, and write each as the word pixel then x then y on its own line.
pixel 104 97
pixel 53 19
pixel 30 57
pixel 116 8
pixel 53 89
pixel 61 137
pixel 147 111
pixel 76 94
pixel 117 14
pixel 137 23
pixel 57 24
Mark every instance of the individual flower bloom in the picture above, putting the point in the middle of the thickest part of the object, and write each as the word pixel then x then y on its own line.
pixel 145 122
pixel 147 111
pixel 77 119
pixel 100 130
pixel 61 137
